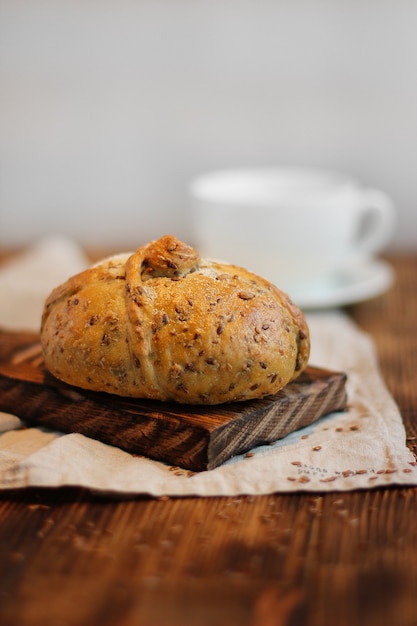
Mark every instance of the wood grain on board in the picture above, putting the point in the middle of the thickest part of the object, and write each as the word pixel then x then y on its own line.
pixel 194 437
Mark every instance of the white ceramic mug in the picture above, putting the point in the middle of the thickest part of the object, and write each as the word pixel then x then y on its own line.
pixel 293 226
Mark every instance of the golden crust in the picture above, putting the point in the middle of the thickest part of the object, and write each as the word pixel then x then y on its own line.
pixel 162 323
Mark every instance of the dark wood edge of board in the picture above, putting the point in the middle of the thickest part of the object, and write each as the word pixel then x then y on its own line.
pixel 194 437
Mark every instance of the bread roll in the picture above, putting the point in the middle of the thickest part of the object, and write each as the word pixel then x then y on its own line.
pixel 162 323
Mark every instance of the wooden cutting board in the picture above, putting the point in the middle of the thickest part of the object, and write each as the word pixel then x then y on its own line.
pixel 193 437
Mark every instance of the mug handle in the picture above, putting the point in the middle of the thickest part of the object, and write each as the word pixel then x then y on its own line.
pixel 377 221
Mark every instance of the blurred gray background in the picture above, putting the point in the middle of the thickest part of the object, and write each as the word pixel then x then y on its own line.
pixel 109 108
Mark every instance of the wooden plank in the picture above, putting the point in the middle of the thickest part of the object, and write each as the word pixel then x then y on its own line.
pixel 194 437
pixel 71 557
pixel 209 561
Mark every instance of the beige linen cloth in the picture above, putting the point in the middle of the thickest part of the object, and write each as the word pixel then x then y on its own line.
pixel 361 448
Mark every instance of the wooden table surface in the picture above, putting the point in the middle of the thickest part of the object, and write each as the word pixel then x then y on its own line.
pixel 72 558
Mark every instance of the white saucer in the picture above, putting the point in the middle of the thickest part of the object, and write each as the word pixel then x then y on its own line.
pixel 359 284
